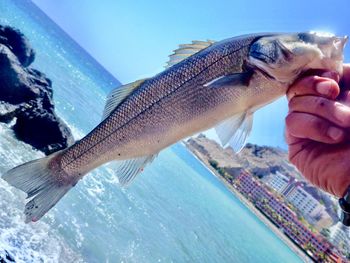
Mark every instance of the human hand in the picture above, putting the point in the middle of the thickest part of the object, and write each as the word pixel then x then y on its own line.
pixel 318 130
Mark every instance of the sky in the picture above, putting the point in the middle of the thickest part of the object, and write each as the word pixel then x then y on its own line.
pixel 132 39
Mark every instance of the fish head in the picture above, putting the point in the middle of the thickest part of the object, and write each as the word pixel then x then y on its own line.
pixel 283 57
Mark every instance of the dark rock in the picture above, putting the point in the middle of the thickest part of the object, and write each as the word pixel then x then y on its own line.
pixel 6 257
pixel 18 44
pixel 14 84
pixel 26 94
pixel 18 84
pixel 42 129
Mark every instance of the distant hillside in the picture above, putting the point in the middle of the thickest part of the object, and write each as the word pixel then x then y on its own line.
pixel 258 160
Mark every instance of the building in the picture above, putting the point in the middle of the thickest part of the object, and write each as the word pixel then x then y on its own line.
pixel 305 202
pixel 311 209
pixel 278 182
pixel 339 235
pixel 283 217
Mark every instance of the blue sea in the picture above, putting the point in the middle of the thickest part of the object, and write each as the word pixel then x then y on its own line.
pixel 176 211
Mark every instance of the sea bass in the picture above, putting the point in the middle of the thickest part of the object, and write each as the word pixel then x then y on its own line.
pixel 206 84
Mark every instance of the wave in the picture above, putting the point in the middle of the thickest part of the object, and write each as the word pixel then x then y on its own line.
pixel 26 242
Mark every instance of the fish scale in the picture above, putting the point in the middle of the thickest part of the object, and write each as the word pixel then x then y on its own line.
pixel 207 85
pixel 189 75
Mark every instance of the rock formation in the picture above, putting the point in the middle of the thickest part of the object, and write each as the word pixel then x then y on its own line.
pixel 26 95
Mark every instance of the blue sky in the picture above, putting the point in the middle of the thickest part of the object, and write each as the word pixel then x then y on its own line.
pixel 132 39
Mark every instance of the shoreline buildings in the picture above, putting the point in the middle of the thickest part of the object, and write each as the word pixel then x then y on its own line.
pixel 279 213
pixel 311 209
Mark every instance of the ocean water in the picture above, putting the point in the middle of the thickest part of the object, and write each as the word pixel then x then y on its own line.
pixel 176 211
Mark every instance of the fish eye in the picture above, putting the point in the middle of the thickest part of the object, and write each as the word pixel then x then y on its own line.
pixel 307 37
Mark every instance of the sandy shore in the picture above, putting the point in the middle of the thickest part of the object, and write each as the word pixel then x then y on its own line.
pixel 255 211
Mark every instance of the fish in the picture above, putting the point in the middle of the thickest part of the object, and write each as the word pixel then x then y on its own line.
pixel 205 84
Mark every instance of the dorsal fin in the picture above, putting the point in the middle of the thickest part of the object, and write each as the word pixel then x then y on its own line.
pixel 186 50
pixel 116 96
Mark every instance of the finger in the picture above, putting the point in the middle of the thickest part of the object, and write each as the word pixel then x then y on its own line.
pixel 314 85
pixel 322 73
pixel 330 75
pixel 308 126
pixel 333 111
pixel 345 81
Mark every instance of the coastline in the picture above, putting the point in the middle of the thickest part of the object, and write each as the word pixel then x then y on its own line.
pixel 297 250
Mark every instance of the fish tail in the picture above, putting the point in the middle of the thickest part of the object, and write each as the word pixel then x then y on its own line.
pixel 44 182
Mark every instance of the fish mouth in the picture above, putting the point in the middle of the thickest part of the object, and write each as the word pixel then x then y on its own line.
pixel 340 42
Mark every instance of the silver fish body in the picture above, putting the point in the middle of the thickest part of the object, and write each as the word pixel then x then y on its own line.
pixel 169 107
pixel 212 84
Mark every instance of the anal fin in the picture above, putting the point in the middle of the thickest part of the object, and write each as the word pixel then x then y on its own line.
pixel 127 170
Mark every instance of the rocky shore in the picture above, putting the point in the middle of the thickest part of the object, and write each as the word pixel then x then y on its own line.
pixel 26 97
pixel 26 101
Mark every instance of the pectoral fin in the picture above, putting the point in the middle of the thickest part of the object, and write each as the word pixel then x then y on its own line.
pixel 232 80
pixel 235 130
pixel 240 137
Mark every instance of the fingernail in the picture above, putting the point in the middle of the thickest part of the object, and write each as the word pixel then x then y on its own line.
pixel 335 133
pixel 324 87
